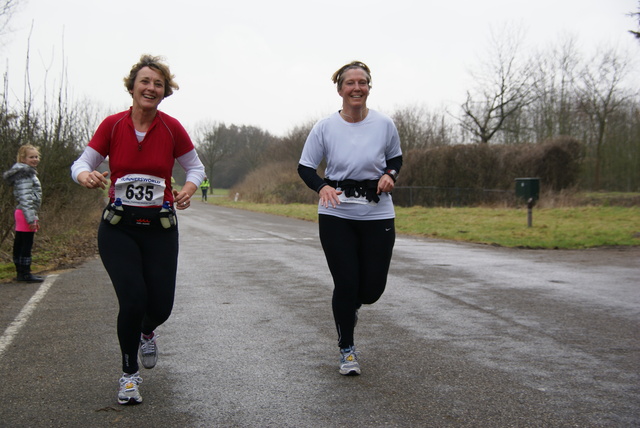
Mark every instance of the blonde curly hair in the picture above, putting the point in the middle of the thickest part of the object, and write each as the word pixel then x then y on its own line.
pixel 156 63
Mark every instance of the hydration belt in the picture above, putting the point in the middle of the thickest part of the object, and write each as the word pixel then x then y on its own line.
pixel 149 218
pixel 353 188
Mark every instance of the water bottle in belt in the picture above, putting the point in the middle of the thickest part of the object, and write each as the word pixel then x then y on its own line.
pixel 167 216
pixel 114 213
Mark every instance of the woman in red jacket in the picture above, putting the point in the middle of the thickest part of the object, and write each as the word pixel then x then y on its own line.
pixel 138 243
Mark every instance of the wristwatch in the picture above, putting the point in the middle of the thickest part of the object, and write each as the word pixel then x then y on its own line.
pixel 392 173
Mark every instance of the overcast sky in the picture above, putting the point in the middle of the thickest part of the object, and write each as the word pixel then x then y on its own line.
pixel 269 63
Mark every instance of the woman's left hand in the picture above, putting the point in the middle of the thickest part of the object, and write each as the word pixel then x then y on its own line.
pixel 385 184
pixel 182 199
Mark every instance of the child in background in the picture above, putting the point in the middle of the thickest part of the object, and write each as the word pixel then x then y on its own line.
pixel 28 193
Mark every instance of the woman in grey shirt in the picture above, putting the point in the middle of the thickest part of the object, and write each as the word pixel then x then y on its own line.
pixel 355 211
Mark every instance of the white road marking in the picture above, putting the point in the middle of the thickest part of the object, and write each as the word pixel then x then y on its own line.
pixel 14 328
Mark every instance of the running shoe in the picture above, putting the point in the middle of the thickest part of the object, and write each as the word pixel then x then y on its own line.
pixel 148 351
pixel 349 362
pixel 128 392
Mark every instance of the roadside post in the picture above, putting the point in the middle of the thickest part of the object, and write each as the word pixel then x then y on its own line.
pixel 528 189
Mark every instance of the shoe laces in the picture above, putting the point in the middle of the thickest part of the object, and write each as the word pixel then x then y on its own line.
pixel 134 378
pixel 349 354
pixel 148 346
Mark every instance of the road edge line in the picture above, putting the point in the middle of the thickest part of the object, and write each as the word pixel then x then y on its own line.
pixel 14 328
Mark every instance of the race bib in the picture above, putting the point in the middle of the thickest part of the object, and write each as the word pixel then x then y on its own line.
pixel 140 190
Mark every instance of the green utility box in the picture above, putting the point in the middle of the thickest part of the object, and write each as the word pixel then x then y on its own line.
pixel 528 188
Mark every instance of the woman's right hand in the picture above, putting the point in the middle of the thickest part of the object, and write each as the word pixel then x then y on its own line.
pixel 93 179
pixel 329 195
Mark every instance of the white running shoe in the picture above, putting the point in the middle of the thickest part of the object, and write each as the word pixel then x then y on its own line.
pixel 148 351
pixel 128 392
pixel 349 362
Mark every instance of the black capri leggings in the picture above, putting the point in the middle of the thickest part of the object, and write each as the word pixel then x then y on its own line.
pixel 22 246
pixel 358 253
pixel 142 265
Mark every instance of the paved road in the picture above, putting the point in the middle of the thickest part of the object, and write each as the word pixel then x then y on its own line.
pixel 465 335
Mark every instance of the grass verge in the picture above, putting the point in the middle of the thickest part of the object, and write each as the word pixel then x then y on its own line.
pixel 66 240
pixel 552 228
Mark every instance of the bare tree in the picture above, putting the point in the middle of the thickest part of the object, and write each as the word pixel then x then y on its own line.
pixel 419 128
pixel 288 148
pixel 410 124
pixel 214 144
pixel 601 94
pixel 7 9
pixel 637 16
pixel 552 112
pixel 504 88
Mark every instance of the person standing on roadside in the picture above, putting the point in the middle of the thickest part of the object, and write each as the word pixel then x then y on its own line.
pixel 355 211
pixel 204 186
pixel 28 193
pixel 138 236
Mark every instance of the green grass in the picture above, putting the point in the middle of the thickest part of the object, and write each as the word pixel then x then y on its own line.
pixel 568 228
pixel 579 227
pixel 215 192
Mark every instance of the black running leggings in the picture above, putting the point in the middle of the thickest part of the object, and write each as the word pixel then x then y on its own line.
pixel 142 265
pixel 22 246
pixel 359 254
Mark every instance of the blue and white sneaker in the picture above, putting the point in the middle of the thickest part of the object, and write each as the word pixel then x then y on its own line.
pixel 349 362
pixel 148 351
pixel 128 392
